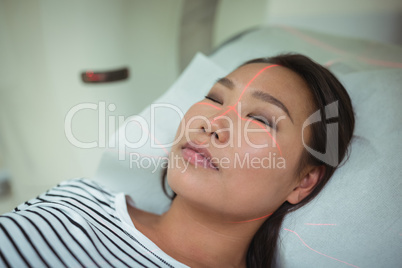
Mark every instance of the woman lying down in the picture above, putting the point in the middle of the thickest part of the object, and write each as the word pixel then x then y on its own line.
pixel 222 214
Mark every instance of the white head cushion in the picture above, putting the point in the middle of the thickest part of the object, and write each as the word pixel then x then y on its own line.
pixel 357 219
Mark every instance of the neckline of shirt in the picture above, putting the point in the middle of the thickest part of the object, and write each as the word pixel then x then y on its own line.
pixel 122 213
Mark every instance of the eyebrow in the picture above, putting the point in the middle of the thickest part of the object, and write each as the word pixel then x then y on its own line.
pixel 226 82
pixel 264 96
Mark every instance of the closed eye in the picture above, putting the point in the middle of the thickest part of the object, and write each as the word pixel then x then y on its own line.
pixel 258 118
pixel 263 120
pixel 213 99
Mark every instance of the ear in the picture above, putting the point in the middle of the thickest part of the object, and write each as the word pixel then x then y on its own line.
pixel 307 184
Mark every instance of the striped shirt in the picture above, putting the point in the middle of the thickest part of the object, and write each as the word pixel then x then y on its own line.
pixel 76 224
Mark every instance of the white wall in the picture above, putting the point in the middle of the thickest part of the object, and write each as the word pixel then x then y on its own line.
pixel 44 45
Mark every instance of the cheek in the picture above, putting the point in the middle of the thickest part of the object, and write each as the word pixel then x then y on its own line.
pixel 259 147
pixel 263 175
pixel 257 192
pixel 292 149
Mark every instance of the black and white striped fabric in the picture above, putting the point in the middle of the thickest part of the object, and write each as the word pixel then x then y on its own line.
pixel 76 224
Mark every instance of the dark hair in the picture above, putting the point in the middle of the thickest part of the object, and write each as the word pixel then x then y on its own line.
pixel 325 89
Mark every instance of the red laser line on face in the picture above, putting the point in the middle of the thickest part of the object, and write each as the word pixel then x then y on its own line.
pixel 238 100
pixel 262 127
pixel 218 108
pixel 246 87
pixel 209 104
pixel 247 119
pixel 260 72
pixel 230 108
pixel 318 251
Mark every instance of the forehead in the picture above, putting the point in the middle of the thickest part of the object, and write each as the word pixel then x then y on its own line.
pixel 278 81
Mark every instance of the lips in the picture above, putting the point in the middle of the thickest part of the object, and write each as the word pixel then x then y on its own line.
pixel 198 156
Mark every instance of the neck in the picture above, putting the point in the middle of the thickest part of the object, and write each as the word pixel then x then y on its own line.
pixel 198 238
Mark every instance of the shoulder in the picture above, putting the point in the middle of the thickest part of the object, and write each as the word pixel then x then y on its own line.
pixel 72 202
pixel 72 193
pixel 45 229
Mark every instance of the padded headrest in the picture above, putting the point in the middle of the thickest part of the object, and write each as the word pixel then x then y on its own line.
pixel 357 219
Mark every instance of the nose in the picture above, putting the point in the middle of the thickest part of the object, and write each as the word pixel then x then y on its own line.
pixel 218 128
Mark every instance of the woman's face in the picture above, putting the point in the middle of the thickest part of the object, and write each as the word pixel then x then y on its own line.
pixel 238 149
